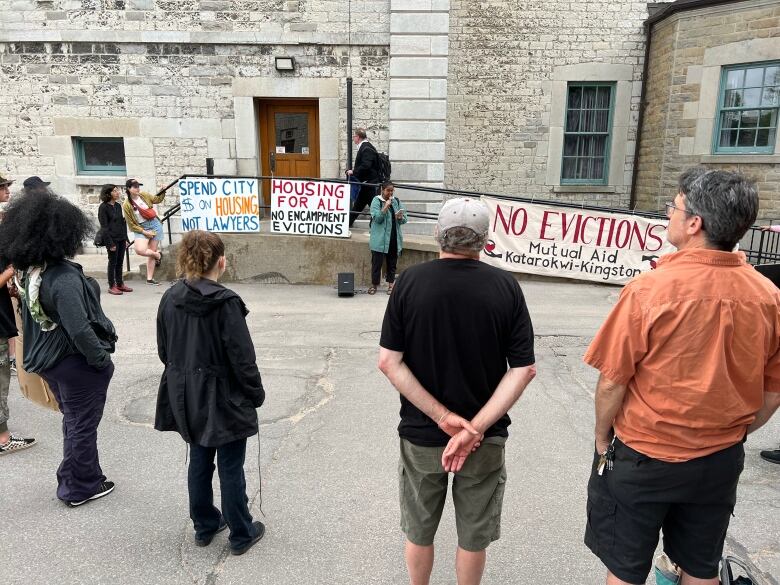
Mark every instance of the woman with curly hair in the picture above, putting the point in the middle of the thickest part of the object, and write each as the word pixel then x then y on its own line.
pixel 210 388
pixel 142 220
pixel 114 229
pixel 68 340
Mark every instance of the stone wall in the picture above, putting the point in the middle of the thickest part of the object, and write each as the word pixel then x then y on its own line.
pixel 418 97
pixel 173 103
pixel 503 60
pixel 163 74
pixel 274 20
pixel 177 80
pixel 688 51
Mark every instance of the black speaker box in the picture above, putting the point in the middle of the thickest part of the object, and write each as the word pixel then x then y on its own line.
pixel 346 284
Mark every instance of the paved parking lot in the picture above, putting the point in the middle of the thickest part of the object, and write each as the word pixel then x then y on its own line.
pixel 327 454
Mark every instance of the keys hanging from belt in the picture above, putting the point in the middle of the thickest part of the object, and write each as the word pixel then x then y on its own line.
pixel 607 458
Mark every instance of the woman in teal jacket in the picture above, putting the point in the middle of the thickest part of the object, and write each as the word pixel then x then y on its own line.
pixel 388 214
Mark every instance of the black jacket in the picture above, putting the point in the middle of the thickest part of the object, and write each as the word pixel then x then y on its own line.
pixel 7 317
pixel 211 385
pixel 366 163
pixel 72 300
pixel 112 220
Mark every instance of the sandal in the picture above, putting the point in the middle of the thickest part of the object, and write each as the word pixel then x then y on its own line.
pixel 390 287
pixel 158 261
pixel 372 290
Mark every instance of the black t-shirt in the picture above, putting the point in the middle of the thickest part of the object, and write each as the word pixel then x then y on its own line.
pixel 460 325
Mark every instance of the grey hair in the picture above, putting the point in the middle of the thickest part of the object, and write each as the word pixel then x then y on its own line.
pixel 459 240
pixel 688 177
pixel 727 203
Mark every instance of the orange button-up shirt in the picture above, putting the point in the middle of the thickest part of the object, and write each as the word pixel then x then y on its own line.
pixel 697 342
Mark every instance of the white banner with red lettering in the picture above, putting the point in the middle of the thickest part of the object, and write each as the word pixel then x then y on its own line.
pixel 572 243
pixel 309 208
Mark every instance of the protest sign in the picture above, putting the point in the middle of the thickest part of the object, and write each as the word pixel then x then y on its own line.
pixel 220 205
pixel 572 243
pixel 311 208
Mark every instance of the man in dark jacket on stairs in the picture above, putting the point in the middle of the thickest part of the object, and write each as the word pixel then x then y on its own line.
pixel 366 170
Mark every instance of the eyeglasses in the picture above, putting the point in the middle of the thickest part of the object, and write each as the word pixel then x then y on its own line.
pixel 670 207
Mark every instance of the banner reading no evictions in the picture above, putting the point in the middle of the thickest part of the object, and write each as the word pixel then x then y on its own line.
pixel 220 205
pixel 309 208
pixel 572 243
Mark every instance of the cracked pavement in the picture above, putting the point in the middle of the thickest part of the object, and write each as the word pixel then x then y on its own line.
pixel 327 457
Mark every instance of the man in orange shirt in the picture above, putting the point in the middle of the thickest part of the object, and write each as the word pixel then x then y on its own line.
pixel 690 364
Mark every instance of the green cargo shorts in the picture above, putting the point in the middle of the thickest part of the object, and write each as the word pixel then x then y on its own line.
pixel 477 492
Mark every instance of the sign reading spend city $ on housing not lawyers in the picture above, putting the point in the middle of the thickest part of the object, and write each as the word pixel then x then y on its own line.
pixel 572 243
pixel 220 205
pixel 311 208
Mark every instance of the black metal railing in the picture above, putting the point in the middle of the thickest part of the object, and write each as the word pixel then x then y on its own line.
pixel 760 246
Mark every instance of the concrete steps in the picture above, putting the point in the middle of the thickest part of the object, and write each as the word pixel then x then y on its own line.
pixel 276 258
pixel 419 245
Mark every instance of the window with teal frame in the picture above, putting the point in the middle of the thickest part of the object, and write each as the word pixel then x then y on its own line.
pixel 100 156
pixel 748 108
pixel 587 133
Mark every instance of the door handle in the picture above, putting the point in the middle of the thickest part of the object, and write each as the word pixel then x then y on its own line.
pixel 272 157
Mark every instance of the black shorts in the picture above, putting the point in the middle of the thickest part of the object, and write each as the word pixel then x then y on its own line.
pixel 692 502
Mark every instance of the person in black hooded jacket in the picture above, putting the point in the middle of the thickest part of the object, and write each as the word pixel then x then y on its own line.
pixel 210 388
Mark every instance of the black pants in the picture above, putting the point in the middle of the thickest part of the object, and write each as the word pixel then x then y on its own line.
pixel 205 517
pixel 379 258
pixel 115 259
pixel 80 390
pixel 367 193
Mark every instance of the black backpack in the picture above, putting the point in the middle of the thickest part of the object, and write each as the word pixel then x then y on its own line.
pixel 727 572
pixel 383 166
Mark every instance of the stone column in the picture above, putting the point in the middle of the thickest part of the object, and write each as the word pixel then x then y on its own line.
pixel 418 96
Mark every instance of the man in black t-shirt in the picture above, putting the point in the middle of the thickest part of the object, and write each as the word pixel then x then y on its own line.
pixel 457 343
pixel 8 442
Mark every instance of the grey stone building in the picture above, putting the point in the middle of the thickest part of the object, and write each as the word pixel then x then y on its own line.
pixel 532 98
pixel 712 97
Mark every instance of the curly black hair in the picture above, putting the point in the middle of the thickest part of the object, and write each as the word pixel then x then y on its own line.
pixel 105 192
pixel 41 227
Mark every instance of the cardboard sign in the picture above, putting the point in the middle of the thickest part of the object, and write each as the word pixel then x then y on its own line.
pixel 309 208
pixel 572 243
pixel 220 205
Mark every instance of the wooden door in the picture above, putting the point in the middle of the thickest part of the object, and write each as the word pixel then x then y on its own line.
pixel 289 140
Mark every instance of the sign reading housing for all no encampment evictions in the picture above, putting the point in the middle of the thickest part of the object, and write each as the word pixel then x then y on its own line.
pixel 220 205
pixel 310 208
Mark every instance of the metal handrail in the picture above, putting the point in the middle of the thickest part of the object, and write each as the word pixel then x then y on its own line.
pixel 766 250
pixel 457 192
